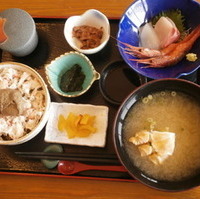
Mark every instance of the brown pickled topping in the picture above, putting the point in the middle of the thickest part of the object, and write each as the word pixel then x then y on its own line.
pixel 89 36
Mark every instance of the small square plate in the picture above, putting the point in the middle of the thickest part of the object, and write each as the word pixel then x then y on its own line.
pixel 97 139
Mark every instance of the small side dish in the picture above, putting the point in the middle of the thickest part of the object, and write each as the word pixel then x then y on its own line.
pixel 77 124
pixel 71 74
pixel 87 33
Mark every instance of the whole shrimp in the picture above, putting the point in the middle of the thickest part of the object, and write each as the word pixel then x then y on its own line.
pixel 168 56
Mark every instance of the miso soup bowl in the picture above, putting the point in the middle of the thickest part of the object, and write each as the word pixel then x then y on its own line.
pixel 184 86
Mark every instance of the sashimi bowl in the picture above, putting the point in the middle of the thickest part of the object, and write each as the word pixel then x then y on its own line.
pixel 142 12
pixel 24 102
pixel 156 134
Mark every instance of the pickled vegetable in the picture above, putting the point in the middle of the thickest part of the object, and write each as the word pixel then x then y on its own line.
pixel 89 36
pixel 61 124
pixel 77 125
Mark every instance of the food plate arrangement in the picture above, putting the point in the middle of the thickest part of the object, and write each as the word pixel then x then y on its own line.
pixel 96 139
pixel 141 12
pixel 72 119
pixel 45 52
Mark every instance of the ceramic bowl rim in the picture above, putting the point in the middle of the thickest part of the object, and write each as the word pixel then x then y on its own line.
pixel 96 75
pixel 91 50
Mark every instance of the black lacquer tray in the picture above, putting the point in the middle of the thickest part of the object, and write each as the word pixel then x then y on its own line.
pixel 51 45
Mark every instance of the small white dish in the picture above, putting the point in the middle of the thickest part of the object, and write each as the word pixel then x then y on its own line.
pixel 97 139
pixel 92 18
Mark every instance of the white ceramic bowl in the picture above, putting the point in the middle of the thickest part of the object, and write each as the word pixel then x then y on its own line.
pixel 93 18
pixel 43 120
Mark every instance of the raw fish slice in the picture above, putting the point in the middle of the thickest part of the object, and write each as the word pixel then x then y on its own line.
pixel 140 137
pixel 163 142
pixel 166 31
pixel 148 37
pixel 145 149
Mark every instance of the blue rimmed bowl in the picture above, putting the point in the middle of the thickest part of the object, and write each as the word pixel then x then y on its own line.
pixel 140 12
pixel 61 64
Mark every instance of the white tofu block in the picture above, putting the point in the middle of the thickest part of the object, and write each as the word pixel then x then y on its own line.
pixel 97 139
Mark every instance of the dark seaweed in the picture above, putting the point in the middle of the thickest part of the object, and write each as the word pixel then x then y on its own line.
pixel 72 80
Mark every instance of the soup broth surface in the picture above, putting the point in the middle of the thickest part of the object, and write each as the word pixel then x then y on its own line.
pixel 167 111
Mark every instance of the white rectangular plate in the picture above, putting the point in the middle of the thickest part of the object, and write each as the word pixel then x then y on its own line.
pixel 97 139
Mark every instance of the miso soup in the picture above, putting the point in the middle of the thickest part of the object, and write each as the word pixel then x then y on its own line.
pixel 167 111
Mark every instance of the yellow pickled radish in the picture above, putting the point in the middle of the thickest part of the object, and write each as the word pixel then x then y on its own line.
pixel 77 125
pixel 61 123
pixel 88 128
pixel 84 119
